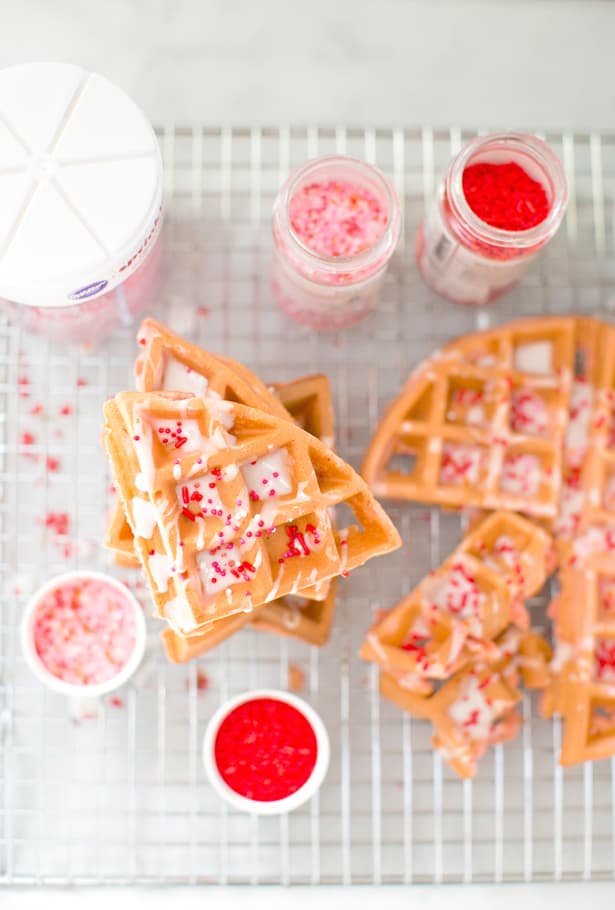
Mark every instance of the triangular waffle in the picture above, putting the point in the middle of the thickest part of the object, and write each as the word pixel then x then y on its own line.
pixel 452 617
pixel 189 472
pixel 481 423
pixel 477 707
pixel 583 668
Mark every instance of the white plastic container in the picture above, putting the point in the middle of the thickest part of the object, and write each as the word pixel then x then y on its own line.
pixel 84 692
pixel 80 202
pixel 274 807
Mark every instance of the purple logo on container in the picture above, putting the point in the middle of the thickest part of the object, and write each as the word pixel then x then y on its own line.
pixel 89 290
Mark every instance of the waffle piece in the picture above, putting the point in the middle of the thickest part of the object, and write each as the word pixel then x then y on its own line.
pixel 583 668
pixel 451 618
pixel 587 489
pixel 168 362
pixel 477 707
pixel 481 423
pixel 293 615
pixel 205 482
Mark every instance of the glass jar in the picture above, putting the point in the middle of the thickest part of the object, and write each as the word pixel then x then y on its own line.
pixel 80 203
pixel 310 283
pixel 466 259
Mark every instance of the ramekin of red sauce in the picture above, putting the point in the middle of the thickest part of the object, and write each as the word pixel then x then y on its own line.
pixel 266 752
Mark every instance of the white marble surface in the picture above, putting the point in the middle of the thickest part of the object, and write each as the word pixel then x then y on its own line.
pixel 526 63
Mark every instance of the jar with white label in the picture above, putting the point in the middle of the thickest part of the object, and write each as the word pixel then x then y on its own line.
pixel 80 203
pixel 502 199
pixel 336 224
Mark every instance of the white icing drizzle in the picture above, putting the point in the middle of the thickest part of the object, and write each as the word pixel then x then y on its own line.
pixel 140 483
pixel 179 615
pixel 145 517
pixel 276 587
pixel 221 410
pixel 177 377
pixel 200 540
pixel 159 565
pixel 534 357
pixel 177 470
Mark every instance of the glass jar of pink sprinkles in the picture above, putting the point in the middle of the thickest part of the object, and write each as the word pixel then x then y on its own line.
pixel 501 200
pixel 336 224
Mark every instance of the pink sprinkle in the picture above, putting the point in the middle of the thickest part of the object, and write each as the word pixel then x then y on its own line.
pixel 59 522
pixel 66 410
pixel 81 382
pixel 84 632
pixel 53 464
pixel 337 218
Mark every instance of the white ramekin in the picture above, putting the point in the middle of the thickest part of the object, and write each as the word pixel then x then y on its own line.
pixel 59 685
pixel 275 807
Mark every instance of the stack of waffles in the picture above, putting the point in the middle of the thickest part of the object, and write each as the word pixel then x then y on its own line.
pixel 227 490
pixel 519 418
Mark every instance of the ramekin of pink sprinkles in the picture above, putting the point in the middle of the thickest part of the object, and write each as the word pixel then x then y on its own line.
pixel 83 634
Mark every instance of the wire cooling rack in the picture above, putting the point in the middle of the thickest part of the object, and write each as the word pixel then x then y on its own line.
pixel 121 797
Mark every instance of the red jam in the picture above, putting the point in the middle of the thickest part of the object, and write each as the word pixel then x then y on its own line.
pixel 505 196
pixel 265 750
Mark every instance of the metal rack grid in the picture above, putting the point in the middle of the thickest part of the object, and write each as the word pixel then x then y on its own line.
pixel 122 797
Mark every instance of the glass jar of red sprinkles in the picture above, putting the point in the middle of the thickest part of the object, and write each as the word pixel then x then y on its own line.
pixel 336 224
pixel 266 752
pixel 502 199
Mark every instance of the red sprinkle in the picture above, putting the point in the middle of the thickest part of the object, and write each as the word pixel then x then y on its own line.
pixel 265 750
pixel 58 522
pixel 505 196
pixel 66 410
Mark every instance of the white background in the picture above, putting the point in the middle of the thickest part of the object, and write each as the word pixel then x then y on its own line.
pixel 520 63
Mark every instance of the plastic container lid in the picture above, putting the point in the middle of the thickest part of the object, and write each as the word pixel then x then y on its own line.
pixel 80 184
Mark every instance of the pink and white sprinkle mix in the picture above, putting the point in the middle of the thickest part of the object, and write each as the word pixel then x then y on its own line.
pixel 460 464
pixel 528 413
pixel 84 631
pixel 337 218
pixel 457 593
pixel 579 416
pixel 605 660
pixel 521 474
